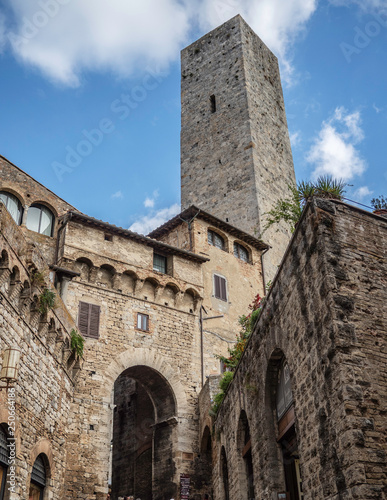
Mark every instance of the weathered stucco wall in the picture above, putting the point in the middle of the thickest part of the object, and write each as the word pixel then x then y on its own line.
pixel 326 314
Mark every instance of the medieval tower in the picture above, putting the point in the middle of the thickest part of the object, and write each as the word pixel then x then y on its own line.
pixel 236 160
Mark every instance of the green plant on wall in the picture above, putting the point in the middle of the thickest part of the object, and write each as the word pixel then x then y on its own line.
pixel 289 209
pixel 77 342
pixel 38 278
pixel 235 353
pixel 46 301
pixel 379 203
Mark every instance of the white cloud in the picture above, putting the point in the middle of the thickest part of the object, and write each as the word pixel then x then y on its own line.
pixel 362 192
pixel 334 152
pixel 295 139
pixel 118 36
pixel 117 195
pixel 378 110
pixel 122 36
pixel 149 203
pixel 147 223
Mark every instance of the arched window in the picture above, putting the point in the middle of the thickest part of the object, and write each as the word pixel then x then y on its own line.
pixel 224 472
pixel 287 434
pixel 241 252
pixel 3 461
pixel 40 219
pixel 38 479
pixel 244 446
pixel 13 206
pixel 215 239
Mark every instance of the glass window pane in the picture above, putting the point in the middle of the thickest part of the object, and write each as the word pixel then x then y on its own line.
pixel 33 218
pixel 13 205
pixel 46 222
pixel 218 241
pixel 159 263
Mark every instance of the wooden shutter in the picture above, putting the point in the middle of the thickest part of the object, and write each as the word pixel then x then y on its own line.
pixel 220 287
pixel 223 292
pixel 88 319
pixel 83 318
pixel 94 321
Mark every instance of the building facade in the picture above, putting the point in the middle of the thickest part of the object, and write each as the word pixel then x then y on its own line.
pixel 131 414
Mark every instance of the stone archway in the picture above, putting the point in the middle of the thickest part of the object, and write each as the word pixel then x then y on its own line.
pixel 144 435
pixel 148 398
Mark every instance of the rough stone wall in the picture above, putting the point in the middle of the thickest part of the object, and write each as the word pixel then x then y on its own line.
pixel 171 349
pixel 244 279
pixel 47 370
pixel 326 314
pixel 236 161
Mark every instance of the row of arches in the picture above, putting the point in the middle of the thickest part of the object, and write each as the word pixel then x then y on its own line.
pixel 238 465
pixel 130 283
pixel 24 297
pixel 37 216
pixel 40 470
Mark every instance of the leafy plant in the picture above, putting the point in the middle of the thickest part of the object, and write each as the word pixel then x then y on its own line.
pixel 38 278
pixel 235 353
pixel 247 325
pixel 289 209
pixel 77 342
pixel 379 203
pixel 46 301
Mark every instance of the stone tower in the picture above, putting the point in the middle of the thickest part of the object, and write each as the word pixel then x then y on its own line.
pixel 236 159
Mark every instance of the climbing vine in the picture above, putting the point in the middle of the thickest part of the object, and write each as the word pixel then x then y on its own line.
pixel 247 323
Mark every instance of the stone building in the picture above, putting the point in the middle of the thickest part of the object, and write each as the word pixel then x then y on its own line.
pixel 154 310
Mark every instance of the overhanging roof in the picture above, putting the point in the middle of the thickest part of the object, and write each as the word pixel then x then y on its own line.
pixel 193 212
pixel 126 233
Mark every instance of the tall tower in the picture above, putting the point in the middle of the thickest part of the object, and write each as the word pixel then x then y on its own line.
pixel 236 160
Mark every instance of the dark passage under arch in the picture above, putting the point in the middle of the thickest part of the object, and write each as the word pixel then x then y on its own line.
pixel 144 424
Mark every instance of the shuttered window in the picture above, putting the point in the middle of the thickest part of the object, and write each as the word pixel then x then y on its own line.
pixel 88 319
pixel 220 287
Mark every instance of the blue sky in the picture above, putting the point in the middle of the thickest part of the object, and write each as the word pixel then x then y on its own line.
pixel 90 94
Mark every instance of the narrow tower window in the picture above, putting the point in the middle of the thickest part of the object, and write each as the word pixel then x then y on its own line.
pixel 213 103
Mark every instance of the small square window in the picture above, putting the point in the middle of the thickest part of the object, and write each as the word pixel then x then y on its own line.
pixel 159 263
pixel 108 237
pixel 143 322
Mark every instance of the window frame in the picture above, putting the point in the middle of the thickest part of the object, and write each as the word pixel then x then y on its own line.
pixel 42 208
pixel 159 255
pixel 89 320
pixel 211 239
pixel 219 289
pixel 140 318
pixel 237 252
pixel 11 196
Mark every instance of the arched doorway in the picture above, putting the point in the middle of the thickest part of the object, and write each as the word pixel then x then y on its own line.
pixel 286 432
pixel 144 427
pixel 246 475
pixel 38 478
pixel 224 475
